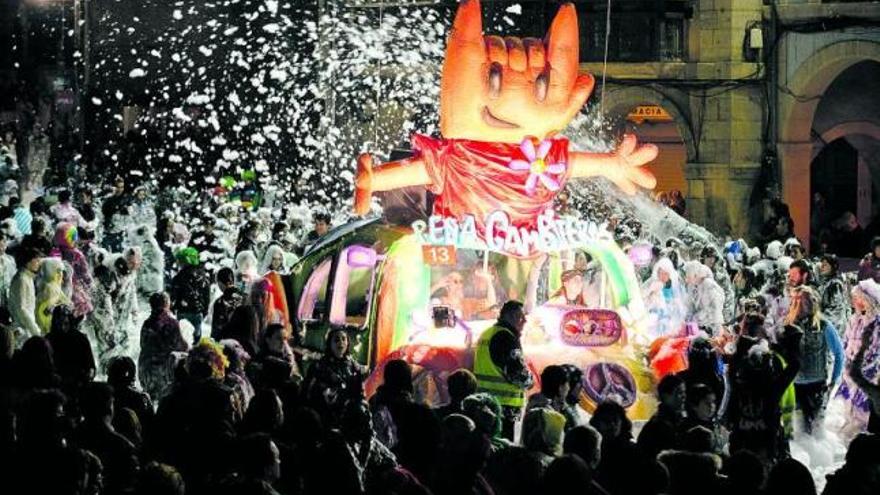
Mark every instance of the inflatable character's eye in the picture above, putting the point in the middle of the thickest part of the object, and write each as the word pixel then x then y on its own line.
pixel 495 80
pixel 541 87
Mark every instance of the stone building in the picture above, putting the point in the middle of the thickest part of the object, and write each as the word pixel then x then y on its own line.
pixel 747 100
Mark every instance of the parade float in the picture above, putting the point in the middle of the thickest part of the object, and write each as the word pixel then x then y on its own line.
pixel 424 289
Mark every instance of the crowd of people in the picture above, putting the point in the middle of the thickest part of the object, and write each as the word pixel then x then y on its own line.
pixel 144 354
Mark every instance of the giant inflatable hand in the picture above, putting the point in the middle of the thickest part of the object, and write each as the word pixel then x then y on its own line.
pixel 502 102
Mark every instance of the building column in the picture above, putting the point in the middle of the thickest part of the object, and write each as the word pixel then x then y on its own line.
pixel 795 158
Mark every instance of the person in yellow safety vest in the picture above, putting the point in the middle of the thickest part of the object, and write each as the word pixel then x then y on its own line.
pixel 500 366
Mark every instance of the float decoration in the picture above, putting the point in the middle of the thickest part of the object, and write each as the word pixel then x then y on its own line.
pixel 496 96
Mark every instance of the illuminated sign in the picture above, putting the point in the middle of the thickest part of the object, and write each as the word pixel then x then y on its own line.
pixel 654 113
pixel 551 234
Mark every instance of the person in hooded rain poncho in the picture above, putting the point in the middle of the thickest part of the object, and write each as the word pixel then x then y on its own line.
pixel 833 297
pixel 711 257
pixel 50 292
pixel 142 210
pixel 246 270
pixel 66 237
pixel 865 320
pixel 100 324
pixel 7 270
pixel 151 275
pixel 273 260
pixel 127 307
pixel 665 299
pixel 706 297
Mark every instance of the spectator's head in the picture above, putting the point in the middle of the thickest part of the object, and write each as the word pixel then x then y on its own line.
pixel 337 343
pixel 744 279
pixel 66 236
pixel 875 247
pixel 159 479
pixel 225 278
pixel 64 196
pixel 610 420
pixel 456 431
pixel 745 472
pixel 159 302
pixel 121 372
pixel 512 315
pixel 585 442
pixel 397 376
pixel 96 402
pixel 828 265
pixel 554 382
pixel 118 186
pixel 864 451
pixel 206 361
pixel 575 383
pixel 259 458
pixel 485 411
pixel 127 423
pixel 804 306
pixel 793 249
pixel 322 223
pixel 44 422
pixel 235 353
pixel 357 421
pixel 273 338
pixel 264 413
pixel 699 439
pixel 672 394
pixel 702 355
pixel 7 340
pixel 542 431
pixel 188 256
pixel 790 476
pixel 566 472
pixel 36 362
pixel 279 230
pixel 63 319
pixel 709 256
pixel 798 273
pixel 784 226
pixel 695 272
pixel 866 297
pixel 28 258
pixel 460 384
pixel 701 402
pixel 752 325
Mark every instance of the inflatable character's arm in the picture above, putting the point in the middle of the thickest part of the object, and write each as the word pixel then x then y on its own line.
pixel 622 166
pixel 386 177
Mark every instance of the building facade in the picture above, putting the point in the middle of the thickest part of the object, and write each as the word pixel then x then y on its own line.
pixel 764 99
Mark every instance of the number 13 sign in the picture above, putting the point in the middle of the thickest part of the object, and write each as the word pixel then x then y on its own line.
pixel 438 255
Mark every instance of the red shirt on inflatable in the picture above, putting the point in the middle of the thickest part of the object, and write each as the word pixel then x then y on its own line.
pixel 475 178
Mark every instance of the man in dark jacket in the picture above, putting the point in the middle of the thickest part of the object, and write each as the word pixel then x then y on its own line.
pixel 663 430
pixel 225 305
pixel 115 204
pixel 190 290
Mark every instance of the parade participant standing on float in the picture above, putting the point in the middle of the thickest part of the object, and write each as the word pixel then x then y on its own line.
pixel 665 299
pixel 500 367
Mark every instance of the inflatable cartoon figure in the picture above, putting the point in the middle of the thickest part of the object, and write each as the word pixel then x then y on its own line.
pixel 502 103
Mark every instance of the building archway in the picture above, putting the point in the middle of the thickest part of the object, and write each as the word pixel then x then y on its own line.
pixel 798 104
pixel 656 119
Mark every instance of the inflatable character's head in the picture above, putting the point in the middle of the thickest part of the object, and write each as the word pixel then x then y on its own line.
pixel 505 89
